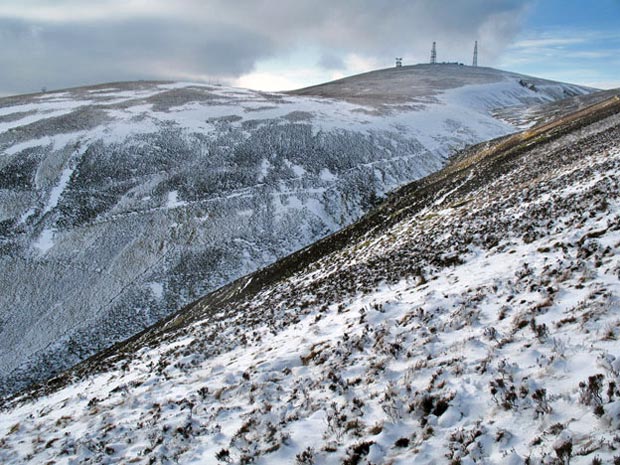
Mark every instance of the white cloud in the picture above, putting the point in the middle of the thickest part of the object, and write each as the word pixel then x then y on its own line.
pixel 274 81
pixel 582 56
pixel 269 78
pixel 102 40
pixel 79 10
pixel 358 64
pixel 604 84
pixel 547 42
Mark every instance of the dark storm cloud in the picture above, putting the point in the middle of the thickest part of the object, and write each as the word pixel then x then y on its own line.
pixel 66 42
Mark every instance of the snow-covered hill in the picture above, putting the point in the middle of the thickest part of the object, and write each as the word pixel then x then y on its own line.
pixel 528 116
pixel 471 318
pixel 123 202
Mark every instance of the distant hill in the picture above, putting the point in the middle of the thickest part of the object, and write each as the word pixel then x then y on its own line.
pixel 419 82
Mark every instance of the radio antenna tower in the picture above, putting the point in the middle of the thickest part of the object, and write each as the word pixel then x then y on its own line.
pixel 475 62
pixel 399 62
pixel 434 54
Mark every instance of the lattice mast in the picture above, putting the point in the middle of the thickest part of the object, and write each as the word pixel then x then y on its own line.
pixel 475 61
pixel 434 54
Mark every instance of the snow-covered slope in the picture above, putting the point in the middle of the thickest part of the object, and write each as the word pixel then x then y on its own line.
pixel 472 318
pixel 528 116
pixel 122 202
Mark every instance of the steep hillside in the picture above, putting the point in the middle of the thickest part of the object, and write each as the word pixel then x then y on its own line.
pixel 471 318
pixel 524 117
pixel 121 203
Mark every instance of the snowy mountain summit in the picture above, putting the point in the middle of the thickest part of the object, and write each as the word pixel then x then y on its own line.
pixel 472 317
pixel 121 203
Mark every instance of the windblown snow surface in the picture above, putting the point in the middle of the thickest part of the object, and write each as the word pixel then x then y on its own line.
pixel 123 202
pixel 472 318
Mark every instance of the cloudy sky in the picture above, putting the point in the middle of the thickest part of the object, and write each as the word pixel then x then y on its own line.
pixel 285 44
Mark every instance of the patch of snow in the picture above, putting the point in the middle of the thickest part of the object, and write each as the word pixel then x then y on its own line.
pixel 297 169
pixel 326 175
pixel 264 169
pixel 57 190
pixel 45 241
pixel 22 219
pixel 12 150
pixel 173 200
pixel 157 289
pixel 4 127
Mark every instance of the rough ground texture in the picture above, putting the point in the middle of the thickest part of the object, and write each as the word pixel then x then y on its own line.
pixel 123 202
pixel 472 318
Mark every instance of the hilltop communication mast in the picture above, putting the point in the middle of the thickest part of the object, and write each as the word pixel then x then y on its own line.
pixel 475 62
pixel 399 62
pixel 433 54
